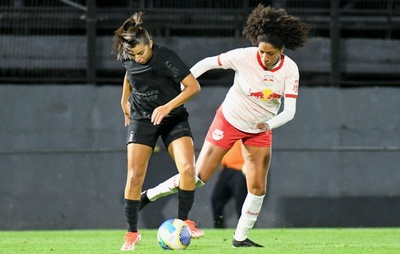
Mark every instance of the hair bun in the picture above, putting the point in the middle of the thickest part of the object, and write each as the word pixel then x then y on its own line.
pixel 137 19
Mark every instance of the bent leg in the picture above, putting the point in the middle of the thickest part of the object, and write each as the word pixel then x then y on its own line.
pixel 168 187
pixel 209 159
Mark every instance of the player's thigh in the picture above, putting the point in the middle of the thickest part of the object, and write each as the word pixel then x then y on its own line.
pixel 138 156
pixel 141 139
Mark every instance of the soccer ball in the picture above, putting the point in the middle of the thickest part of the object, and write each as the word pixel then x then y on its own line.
pixel 174 234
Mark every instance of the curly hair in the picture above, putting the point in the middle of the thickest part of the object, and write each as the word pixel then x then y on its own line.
pixel 275 26
pixel 129 35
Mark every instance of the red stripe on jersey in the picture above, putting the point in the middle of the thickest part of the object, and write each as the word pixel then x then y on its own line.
pixel 219 60
pixel 260 62
pixel 280 64
pixel 291 96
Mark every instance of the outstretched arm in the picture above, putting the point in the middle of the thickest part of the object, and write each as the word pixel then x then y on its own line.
pixel 205 65
pixel 285 116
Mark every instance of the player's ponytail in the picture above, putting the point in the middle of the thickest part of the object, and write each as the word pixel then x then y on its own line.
pixel 129 35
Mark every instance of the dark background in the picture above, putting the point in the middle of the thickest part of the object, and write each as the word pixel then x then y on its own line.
pixel 62 140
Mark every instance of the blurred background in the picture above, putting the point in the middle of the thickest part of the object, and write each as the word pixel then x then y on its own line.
pixel 62 139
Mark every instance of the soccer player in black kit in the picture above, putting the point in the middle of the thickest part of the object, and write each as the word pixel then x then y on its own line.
pixel 156 85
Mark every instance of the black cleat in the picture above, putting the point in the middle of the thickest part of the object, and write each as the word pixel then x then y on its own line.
pixel 245 243
pixel 144 200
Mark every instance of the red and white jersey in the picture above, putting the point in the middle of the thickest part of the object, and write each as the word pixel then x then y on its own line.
pixel 256 92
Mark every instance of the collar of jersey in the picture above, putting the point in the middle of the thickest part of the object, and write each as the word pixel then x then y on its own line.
pixel 273 69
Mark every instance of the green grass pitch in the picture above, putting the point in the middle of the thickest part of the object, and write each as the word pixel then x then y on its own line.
pixel 294 241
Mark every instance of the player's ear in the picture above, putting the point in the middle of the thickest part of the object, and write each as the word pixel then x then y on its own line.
pixel 151 44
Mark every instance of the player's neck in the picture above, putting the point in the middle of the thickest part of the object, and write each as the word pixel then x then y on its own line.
pixel 273 66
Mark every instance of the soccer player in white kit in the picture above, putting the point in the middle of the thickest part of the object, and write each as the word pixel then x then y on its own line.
pixel 263 76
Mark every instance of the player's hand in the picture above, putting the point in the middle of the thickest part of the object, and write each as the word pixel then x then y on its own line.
pixel 126 109
pixel 159 113
pixel 263 127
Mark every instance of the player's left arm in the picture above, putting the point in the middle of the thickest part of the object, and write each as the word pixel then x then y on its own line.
pixel 289 107
pixel 190 88
pixel 287 114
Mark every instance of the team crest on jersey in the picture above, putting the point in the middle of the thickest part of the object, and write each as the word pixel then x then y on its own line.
pixel 217 134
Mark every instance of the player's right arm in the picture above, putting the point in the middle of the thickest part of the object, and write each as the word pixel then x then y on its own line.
pixel 126 93
pixel 204 65
pixel 226 60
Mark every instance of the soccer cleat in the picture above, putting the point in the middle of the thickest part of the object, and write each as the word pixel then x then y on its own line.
pixel 196 233
pixel 130 238
pixel 144 200
pixel 245 243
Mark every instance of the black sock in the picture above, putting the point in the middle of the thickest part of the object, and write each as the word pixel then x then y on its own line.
pixel 144 200
pixel 132 214
pixel 186 199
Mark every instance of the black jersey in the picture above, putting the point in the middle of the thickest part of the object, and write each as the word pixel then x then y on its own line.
pixel 156 83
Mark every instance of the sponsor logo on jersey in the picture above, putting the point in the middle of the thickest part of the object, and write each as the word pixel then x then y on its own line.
pixel 265 95
pixel 172 68
pixel 296 86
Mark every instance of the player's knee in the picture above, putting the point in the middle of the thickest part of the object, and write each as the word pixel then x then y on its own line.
pixel 187 171
pixel 257 189
pixel 135 176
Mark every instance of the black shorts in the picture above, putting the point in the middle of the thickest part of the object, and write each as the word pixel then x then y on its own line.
pixel 145 133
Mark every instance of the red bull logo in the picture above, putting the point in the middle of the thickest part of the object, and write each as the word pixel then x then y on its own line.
pixel 273 96
pixel 268 80
pixel 266 94
pixel 257 95
pixel 217 134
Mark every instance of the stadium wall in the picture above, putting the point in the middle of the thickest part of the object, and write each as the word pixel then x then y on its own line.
pixel 69 52
pixel 63 161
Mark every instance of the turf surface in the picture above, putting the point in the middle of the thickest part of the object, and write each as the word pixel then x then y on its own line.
pixel 297 241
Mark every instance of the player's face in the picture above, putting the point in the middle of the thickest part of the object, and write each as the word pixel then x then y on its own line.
pixel 141 53
pixel 268 54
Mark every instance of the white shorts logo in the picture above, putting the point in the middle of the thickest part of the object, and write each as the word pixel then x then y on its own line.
pixel 217 134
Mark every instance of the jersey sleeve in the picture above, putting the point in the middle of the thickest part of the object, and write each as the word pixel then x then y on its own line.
pixel 292 82
pixel 175 68
pixel 230 59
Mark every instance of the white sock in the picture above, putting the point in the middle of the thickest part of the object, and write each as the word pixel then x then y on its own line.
pixel 250 210
pixel 199 182
pixel 168 187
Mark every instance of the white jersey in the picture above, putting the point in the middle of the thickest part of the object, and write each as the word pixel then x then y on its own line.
pixel 256 92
